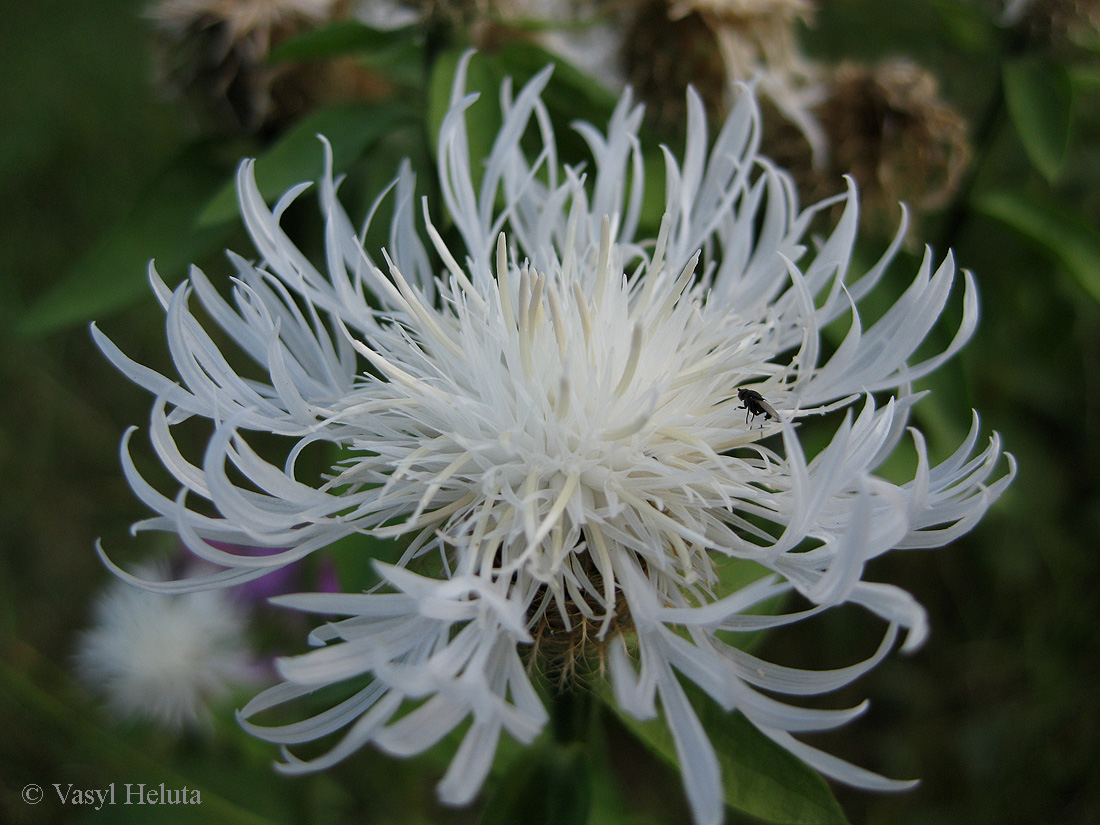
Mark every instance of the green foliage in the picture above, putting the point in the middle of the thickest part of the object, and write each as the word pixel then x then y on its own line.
pixel 1065 234
pixel 397 55
pixel 545 784
pixel 350 129
pixel 186 213
pixel 758 776
pixel 162 226
pixel 966 25
pixel 1040 100
pixel 346 37
pixel 354 558
pixel 734 574
pixel 117 755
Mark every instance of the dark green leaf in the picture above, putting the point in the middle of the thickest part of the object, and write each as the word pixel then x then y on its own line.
pixel 543 785
pixel 397 54
pixel 737 573
pixel 161 226
pixel 759 777
pixel 298 156
pixel 570 95
pixel 1085 78
pixel 966 25
pixel 1039 96
pixel 344 37
pixel 1064 234
pixel 354 557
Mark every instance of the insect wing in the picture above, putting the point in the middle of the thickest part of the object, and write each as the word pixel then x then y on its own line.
pixel 767 408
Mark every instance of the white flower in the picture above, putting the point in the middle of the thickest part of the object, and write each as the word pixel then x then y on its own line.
pixel 1014 11
pixel 164 658
pixel 554 422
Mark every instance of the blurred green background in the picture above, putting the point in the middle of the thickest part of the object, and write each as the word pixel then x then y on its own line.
pixel 999 713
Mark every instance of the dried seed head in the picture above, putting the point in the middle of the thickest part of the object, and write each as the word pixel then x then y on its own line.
pixel 890 130
pixel 664 56
pixel 214 53
pixel 1063 24
pixel 887 127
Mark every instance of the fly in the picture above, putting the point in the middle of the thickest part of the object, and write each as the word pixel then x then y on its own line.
pixel 754 404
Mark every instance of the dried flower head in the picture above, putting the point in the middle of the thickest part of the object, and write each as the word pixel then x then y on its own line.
pixel 888 127
pixel 664 56
pixel 758 39
pixel 1061 23
pixel 552 420
pixel 214 53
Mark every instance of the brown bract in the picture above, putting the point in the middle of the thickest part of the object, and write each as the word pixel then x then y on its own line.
pixel 571 641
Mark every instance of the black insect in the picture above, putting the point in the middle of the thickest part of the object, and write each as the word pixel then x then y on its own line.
pixel 754 404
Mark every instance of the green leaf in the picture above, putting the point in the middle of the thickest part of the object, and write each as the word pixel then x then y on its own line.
pixel 1085 78
pixel 758 776
pixel 1064 234
pixel 298 156
pixel 354 557
pixel 1039 96
pixel 396 54
pixel 161 226
pixel 340 38
pixel 545 784
pixel 570 95
pixel 966 26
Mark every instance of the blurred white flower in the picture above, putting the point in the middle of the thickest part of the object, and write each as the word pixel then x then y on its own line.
pixel 387 14
pixel 162 658
pixel 553 420
pixel 1013 11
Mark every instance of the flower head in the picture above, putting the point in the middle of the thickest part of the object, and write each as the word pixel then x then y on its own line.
pixel 164 658
pixel 1064 24
pixel 759 39
pixel 552 421
pixel 890 130
pixel 215 52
